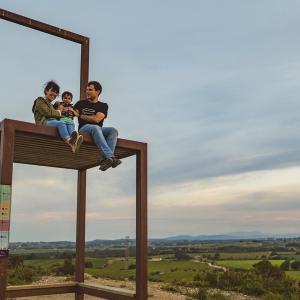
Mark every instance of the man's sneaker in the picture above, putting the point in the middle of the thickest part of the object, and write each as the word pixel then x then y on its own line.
pixel 77 144
pixel 106 163
pixel 116 162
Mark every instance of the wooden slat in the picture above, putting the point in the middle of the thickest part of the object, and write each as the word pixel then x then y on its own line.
pixel 26 127
pixel 106 292
pixel 34 290
pixel 41 145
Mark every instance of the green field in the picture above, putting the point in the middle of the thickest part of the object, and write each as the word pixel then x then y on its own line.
pixel 242 256
pixel 166 271
pixel 113 268
pixel 244 264
pixel 44 264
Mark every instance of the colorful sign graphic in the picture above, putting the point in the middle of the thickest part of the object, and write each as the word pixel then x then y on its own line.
pixel 5 204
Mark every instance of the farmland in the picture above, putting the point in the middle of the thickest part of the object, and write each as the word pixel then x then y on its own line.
pixel 239 266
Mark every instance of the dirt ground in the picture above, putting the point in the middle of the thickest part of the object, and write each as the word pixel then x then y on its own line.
pixel 155 291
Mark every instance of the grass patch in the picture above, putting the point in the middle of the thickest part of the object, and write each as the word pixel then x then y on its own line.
pixel 245 264
pixel 293 274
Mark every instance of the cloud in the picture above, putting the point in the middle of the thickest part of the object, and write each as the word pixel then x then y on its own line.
pixel 258 200
pixel 216 102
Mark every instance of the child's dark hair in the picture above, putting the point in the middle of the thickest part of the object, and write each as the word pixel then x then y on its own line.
pixel 51 85
pixel 96 85
pixel 66 93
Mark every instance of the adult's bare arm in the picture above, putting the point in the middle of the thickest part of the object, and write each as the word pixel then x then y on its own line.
pixel 93 119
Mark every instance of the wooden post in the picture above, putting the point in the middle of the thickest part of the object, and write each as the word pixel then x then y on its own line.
pixel 6 169
pixel 141 224
pixel 3 273
pixel 80 231
pixel 84 67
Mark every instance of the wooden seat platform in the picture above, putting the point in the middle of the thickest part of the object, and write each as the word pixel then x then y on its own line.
pixel 41 145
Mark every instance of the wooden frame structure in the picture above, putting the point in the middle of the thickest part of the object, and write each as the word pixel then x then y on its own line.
pixel 27 143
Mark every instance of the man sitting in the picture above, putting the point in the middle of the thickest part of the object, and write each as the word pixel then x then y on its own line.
pixel 92 113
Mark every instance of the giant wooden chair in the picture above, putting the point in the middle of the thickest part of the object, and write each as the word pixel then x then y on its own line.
pixel 27 143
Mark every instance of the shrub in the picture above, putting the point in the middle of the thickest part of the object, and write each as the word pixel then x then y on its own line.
pixel 285 266
pixel 131 267
pixel 200 294
pixel 181 256
pixel 23 276
pixel 67 269
pixel 230 279
pixel 154 279
pixel 212 279
pixel 218 296
pixel 271 296
pixel 254 289
pixel 170 288
pixel 88 264
pixel 295 265
pixel 197 277
pixel 154 273
pixel 131 277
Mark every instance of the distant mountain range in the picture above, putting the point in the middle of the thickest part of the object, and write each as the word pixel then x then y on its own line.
pixel 209 237
pixel 232 236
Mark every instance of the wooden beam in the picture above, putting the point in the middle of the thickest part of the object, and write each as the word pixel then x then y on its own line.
pixel 141 224
pixel 106 292
pixel 80 231
pixel 34 290
pixel 65 288
pixel 43 27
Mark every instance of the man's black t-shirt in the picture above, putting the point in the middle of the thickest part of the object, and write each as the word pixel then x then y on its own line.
pixel 85 107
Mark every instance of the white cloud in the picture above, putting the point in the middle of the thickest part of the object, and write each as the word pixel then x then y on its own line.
pixel 215 96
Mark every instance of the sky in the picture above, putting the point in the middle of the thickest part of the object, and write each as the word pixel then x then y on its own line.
pixel 211 86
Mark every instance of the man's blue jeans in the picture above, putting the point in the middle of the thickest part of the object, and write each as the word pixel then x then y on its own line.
pixel 104 137
pixel 64 129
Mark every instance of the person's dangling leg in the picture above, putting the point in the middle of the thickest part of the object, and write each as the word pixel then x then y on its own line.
pixel 70 127
pixel 64 134
pixel 111 136
pixel 61 127
pixel 76 139
pixel 99 139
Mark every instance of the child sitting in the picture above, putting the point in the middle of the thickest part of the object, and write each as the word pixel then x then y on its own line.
pixel 68 113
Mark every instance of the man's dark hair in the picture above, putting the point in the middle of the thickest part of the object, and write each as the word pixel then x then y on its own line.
pixel 96 85
pixel 51 85
pixel 66 93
